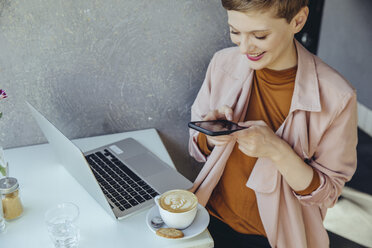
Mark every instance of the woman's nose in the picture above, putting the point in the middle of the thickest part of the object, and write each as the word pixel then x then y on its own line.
pixel 246 46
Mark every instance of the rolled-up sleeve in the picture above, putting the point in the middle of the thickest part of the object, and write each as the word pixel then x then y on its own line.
pixel 335 158
pixel 314 184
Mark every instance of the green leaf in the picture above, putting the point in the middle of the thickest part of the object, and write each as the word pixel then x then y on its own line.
pixel 2 170
pixel 1 114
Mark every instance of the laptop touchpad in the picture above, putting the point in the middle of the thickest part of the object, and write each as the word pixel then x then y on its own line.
pixel 146 164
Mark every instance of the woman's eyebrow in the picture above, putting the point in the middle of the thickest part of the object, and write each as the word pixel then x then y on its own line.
pixel 253 31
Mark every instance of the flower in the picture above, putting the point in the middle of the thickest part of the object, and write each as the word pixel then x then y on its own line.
pixel 2 96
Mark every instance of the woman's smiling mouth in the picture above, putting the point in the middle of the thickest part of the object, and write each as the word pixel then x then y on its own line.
pixel 255 56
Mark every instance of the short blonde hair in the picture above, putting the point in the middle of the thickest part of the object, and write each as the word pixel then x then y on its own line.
pixel 284 8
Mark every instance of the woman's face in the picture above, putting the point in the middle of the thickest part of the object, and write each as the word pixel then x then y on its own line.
pixel 267 41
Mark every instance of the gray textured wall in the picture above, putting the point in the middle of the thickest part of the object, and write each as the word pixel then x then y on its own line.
pixel 346 43
pixel 96 67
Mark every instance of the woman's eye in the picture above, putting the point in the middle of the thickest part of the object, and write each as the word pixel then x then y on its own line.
pixel 260 37
pixel 234 32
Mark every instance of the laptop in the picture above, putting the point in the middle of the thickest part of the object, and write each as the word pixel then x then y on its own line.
pixel 123 177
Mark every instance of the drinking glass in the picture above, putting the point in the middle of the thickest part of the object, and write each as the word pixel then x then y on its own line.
pixel 62 226
pixel 2 220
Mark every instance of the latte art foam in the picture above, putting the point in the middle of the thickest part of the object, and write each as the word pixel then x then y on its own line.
pixel 178 201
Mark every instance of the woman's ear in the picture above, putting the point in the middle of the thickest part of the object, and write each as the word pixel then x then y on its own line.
pixel 299 20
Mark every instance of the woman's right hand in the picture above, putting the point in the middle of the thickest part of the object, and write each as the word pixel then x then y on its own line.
pixel 223 113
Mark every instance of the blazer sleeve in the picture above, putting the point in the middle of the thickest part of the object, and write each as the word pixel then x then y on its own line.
pixel 336 158
pixel 199 110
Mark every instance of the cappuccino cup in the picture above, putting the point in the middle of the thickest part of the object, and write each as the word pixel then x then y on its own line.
pixel 177 208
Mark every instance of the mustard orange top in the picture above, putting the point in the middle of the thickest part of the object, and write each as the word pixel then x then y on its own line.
pixel 231 201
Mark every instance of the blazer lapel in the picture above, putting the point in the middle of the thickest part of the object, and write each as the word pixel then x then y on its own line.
pixel 215 165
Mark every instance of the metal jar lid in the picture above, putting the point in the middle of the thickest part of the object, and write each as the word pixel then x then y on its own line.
pixel 8 185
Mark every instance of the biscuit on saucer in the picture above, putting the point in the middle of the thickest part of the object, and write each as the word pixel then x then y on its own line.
pixel 170 233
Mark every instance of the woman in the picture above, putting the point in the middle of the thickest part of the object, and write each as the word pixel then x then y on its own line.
pixel 271 183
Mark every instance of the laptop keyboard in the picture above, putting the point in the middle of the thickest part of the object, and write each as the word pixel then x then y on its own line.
pixel 120 184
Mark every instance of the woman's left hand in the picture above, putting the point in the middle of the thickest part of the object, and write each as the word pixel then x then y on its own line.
pixel 258 140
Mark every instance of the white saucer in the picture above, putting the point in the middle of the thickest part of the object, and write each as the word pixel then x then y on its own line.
pixel 199 224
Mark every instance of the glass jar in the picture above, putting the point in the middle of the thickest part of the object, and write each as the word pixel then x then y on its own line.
pixel 9 190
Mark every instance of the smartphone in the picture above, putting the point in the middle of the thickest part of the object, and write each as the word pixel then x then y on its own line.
pixel 216 127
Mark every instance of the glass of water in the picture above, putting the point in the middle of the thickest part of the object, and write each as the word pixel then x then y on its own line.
pixel 61 222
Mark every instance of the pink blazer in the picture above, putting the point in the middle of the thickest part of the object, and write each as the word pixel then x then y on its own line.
pixel 321 127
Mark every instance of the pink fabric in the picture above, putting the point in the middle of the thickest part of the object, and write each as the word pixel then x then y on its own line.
pixel 321 127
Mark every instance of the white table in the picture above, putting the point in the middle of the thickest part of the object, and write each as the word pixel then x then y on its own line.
pixel 45 183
